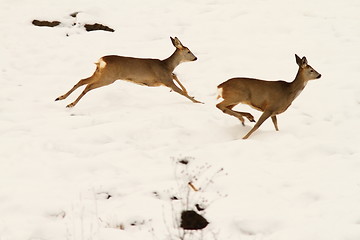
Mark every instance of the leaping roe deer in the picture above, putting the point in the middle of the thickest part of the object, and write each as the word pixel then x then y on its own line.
pixel 270 97
pixel 143 71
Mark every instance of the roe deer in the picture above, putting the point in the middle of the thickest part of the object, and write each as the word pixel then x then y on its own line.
pixel 148 72
pixel 270 97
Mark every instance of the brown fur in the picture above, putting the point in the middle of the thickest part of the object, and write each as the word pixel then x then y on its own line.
pixel 142 71
pixel 269 97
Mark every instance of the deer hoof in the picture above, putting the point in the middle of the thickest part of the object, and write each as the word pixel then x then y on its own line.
pixel 195 101
pixel 60 98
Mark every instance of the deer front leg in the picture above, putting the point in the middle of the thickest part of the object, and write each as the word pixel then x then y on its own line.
pixel 177 80
pixel 262 118
pixel 178 90
pixel 274 120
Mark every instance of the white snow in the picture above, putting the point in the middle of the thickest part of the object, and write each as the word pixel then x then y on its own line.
pixel 107 168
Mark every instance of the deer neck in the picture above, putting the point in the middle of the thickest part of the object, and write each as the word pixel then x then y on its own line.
pixel 298 84
pixel 173 61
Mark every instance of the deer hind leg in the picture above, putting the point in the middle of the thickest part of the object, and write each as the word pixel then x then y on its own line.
pixel 89 87
pixel 274 120
pixel 244 114
pixel 179 91
pixel 262 119
pixel 226 107
pixel 76 86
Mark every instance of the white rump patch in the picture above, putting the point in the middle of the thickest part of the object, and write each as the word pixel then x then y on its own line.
pixel 220 91
pixel 101 63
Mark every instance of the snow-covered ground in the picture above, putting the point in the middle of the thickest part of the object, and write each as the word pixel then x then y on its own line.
pixel 108 168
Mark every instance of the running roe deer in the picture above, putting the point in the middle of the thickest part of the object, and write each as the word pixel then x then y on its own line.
pixel 270 97
pixel 148 72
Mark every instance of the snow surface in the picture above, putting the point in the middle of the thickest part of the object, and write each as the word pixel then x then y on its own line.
pixel 108 168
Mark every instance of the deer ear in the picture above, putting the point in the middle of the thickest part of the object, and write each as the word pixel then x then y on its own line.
pixel 304 62
pixel 298 60
pixel 172 40
pixel 176 42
